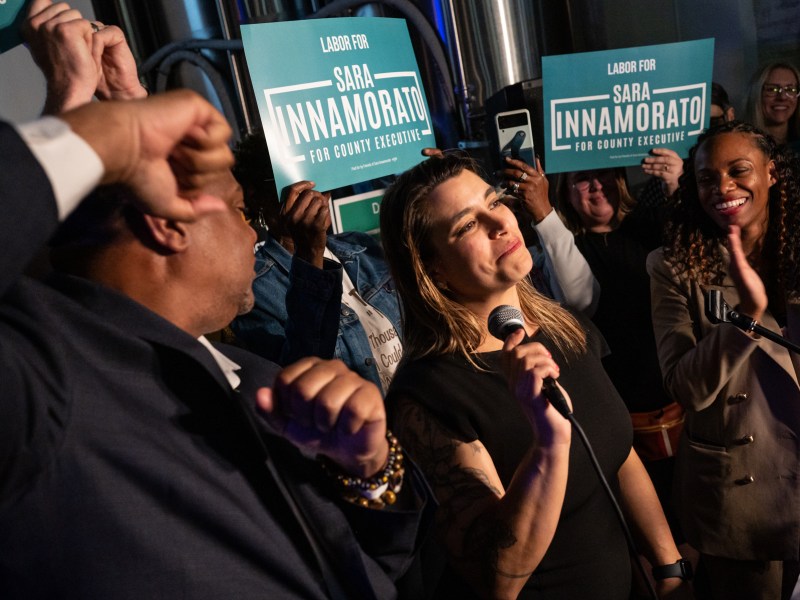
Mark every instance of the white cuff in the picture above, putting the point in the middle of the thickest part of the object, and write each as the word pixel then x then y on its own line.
pixel 71 165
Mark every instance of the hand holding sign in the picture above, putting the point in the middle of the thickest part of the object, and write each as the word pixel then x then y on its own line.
pixel 665 164
pixel 307 218
pixel 60 41
pixel 119 79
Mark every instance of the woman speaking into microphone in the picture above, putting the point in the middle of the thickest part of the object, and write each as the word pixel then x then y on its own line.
pixel 522 514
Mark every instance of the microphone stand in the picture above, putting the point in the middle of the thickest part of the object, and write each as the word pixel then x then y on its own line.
pixel 718 311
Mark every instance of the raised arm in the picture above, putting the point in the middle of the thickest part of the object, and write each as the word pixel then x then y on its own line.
pixel 297 312
pixel 164 148
pixel 568 274
pixel 80 59
pixel 697 358
pixel 495 536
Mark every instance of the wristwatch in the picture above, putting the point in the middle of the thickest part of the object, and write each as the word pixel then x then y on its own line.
pixel 682 569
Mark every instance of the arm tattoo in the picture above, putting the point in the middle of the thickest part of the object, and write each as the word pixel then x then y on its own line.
pixel 457 488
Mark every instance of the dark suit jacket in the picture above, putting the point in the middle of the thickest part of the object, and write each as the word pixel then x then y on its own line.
pixel 129 468
pixel 737 481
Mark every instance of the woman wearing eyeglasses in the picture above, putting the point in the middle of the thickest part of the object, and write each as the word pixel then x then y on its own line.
pixel 772 103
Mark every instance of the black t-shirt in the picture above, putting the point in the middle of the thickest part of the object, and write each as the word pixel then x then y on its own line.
pixel 588 556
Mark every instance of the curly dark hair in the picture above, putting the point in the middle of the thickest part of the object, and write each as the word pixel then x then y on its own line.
pixel 693 242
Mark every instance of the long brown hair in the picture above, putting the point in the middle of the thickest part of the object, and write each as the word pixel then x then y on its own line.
pixel 433 322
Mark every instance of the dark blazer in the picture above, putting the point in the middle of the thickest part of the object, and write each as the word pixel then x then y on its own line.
pixel 129 468
pixel 737 484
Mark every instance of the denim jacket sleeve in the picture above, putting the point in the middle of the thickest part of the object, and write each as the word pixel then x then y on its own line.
pixel 298 308
pixel 313 304
pixel 296 312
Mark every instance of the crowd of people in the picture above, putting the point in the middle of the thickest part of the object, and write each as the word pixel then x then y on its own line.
pixel 363 430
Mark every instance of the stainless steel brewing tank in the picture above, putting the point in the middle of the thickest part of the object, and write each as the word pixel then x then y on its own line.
pixel 492 44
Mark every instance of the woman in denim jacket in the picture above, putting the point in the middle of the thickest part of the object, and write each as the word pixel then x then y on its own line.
pixel 321 314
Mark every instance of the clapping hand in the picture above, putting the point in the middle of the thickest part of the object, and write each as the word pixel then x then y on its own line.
pixel 752 293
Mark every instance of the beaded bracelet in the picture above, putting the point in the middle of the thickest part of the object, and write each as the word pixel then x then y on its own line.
pixel 379 490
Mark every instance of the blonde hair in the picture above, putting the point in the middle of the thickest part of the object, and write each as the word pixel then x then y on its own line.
pixel 755 107
pixel 433 322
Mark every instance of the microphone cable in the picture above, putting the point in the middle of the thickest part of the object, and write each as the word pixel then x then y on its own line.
pixel 626 530
pixel 503 321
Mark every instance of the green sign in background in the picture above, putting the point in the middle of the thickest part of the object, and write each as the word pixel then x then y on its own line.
pixel 358 213
pixel 609 108
pixel 341 100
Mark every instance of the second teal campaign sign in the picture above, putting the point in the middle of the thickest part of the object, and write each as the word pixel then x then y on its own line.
pixel 341 100
pixel 608 109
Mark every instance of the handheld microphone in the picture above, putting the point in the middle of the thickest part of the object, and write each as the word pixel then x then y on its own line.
pixel 505 320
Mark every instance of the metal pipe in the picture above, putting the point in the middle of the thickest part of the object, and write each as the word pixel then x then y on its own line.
pixel 463 89
pixel 235 63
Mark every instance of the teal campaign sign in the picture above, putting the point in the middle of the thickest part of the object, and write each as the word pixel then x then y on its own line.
pixel 341 100
pixel 608 109
pixel 358 213
pixel 12 14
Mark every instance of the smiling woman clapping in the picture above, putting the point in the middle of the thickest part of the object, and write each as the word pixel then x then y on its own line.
pixel 734 229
